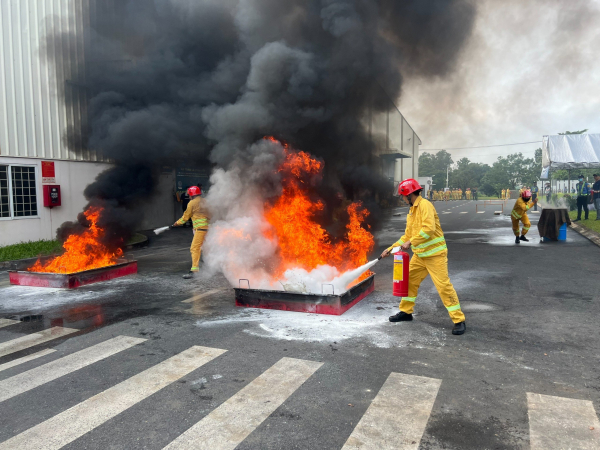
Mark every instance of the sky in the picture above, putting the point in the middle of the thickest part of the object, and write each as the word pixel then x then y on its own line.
pixel 530 68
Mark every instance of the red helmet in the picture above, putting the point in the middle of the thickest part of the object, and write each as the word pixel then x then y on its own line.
pixel 194 190
pixel 526 193
pixel 408 186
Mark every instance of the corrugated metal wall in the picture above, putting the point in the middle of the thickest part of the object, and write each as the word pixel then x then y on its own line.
pixel 40 100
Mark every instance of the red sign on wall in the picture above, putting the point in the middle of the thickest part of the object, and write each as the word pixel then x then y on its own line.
pixel 48 173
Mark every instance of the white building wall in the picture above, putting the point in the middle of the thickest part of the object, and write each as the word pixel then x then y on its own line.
pixel 39 100
pixel 72 178
pixel 158 210
pixel 392 134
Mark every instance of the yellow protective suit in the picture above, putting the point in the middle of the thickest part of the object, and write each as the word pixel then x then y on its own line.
pixel 430 256
pixel 519 214
pixel 198 212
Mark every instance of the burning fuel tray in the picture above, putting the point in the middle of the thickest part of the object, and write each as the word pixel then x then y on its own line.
pixel 72 280
pixel 311 303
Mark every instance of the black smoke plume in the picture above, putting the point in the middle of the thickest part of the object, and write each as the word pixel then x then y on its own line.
pixel 200 80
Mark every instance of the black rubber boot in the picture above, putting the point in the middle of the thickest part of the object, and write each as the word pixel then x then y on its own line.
pixel 401 317
pixel 517 240
pixel 577 220
pixel 523 238
pixel 189 275
pixel 459 328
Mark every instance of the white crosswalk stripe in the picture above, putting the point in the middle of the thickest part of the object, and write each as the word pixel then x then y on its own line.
pixel 7 322
pixel 562 423
pixel 24 359
pixel 33 378
pixel 6 348
pixel 397 416
pixel 229 424
pixel 73 423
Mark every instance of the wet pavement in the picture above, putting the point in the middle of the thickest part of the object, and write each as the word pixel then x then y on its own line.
pixel 532 328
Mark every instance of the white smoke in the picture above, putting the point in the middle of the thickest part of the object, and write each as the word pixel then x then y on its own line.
pixel 236 243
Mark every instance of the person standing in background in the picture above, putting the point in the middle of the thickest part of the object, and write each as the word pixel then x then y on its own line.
pixel 596 194
pixel 548 192
pixel 583 190
pixel 534 195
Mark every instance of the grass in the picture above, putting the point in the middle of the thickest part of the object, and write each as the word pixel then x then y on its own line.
pixel 29 250
pixel 590 224
pixel 136 238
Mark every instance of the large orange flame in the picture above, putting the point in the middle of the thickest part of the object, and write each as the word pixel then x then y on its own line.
pixel 83 251
pixel 302 242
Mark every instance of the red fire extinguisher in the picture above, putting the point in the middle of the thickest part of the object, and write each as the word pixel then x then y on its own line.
pixel 401 262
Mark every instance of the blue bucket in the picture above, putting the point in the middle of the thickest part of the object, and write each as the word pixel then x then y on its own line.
pixel 562 232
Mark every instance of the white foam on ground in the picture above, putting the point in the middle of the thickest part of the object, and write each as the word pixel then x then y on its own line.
pixel 21 298
pixel 28 298
pixel 361 321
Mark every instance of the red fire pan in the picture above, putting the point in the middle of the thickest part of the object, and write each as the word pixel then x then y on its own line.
pixel 72 280
pixel 311 303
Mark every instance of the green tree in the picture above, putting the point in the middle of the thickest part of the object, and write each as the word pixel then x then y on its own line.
pixel 510 172
pixel 435 165
pixel 467 174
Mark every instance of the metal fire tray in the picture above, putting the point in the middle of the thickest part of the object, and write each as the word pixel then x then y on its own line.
pixel 311 303
pixel 72 280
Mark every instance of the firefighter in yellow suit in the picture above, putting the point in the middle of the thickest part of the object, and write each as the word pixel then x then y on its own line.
pixel 519 214
pixel 425 237
pixel 503 194
pixel 198 212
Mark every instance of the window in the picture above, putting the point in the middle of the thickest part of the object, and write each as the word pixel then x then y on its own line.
pixel 18 196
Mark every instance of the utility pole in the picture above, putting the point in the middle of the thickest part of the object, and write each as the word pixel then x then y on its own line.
pixel 447 167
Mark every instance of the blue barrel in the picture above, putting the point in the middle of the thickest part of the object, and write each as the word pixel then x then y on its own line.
pixel 562 232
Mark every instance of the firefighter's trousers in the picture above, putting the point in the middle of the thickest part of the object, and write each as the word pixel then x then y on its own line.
pixel 196 249
pixel 437 267
pixel 526 225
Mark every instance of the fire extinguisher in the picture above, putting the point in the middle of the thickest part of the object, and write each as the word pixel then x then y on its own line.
pixel 401 262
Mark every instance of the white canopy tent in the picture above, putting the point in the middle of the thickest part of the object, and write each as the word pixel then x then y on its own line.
pixel 572 151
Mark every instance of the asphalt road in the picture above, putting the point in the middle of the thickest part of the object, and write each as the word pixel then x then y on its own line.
pixel 525 375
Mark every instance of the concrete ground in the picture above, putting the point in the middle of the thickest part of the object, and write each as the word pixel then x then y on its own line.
pixel 525 375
